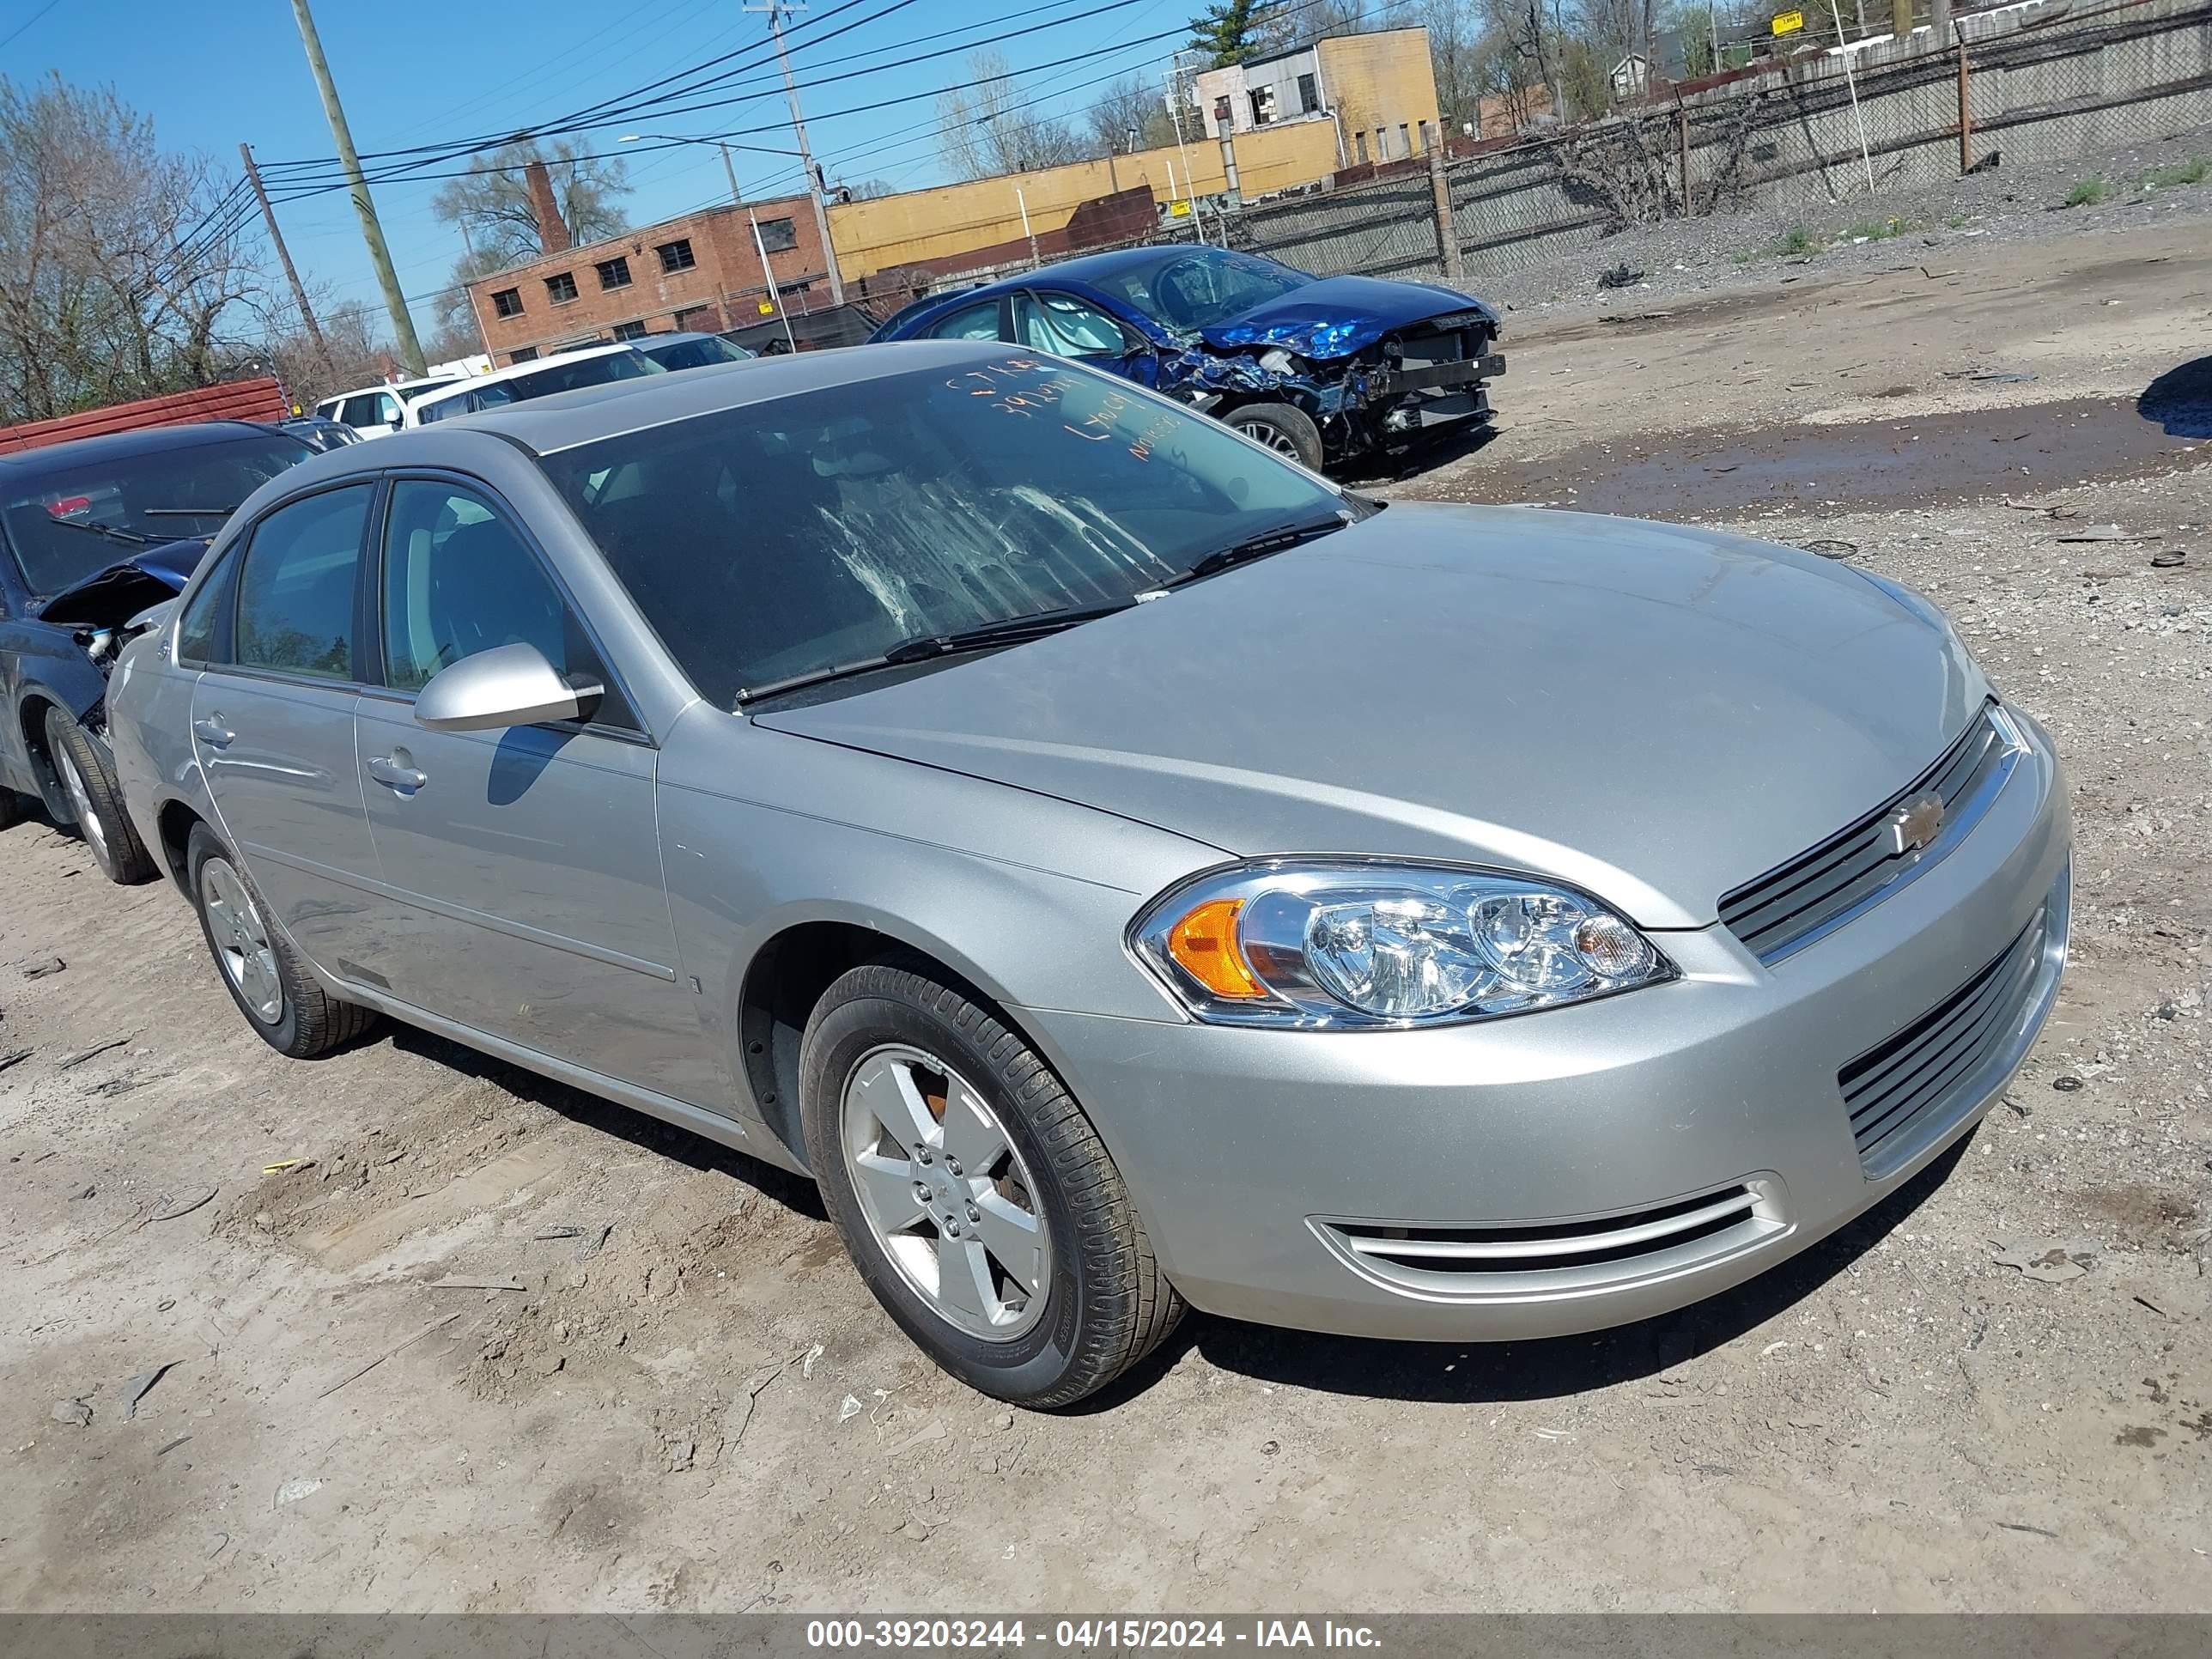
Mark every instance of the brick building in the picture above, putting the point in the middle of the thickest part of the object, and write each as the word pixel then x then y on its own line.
pixel 700 272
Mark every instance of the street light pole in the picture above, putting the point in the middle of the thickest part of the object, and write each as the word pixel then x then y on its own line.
pixel 776 9
pixel 775 297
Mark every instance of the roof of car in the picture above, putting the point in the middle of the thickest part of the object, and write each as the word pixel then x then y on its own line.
pixel 1088 271
pixel 516 371
pixel 128 446
pixel 567 419
pixel 400 389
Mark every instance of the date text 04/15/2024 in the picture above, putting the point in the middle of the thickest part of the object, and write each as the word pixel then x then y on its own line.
pixel 1081 1635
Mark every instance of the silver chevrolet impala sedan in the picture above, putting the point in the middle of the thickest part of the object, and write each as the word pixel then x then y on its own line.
pixel 1123 869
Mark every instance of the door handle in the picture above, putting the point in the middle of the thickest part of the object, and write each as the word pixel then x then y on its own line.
pixel 405 779
pixel 213 734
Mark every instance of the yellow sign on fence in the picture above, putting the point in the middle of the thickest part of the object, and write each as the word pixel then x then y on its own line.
pixel 1789 22
pixel 1178 209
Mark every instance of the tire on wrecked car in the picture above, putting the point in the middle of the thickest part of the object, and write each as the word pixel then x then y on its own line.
pixel 1283 427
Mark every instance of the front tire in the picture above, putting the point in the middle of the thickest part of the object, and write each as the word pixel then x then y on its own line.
pixel 1283 427
pixel 973 1196
pixel 272 987
pixel 89 783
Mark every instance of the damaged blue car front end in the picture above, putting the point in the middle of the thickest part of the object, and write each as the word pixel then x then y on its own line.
pixel 1369 363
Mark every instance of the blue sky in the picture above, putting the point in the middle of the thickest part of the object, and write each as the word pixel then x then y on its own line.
pixel 413 72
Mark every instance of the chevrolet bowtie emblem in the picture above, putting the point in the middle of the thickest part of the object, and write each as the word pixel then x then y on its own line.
pixel 1914 824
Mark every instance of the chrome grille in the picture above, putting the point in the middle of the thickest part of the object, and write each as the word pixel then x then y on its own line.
pixel 1914 1083
pixel 1523 1258
pixel 1858 866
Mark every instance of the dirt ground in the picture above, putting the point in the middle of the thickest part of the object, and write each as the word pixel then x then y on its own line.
pixel 688 1401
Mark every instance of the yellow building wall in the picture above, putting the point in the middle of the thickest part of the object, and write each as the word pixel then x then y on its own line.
pixel 889 231
pixel 1381 80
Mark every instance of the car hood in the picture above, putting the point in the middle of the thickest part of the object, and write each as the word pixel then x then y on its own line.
pixel 1339 315
pixel 111 597
pixel 1653 713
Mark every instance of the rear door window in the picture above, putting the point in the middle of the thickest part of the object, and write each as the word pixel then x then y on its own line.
pixel 975 322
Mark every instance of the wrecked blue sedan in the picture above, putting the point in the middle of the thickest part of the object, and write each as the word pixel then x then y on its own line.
pixel 1318 368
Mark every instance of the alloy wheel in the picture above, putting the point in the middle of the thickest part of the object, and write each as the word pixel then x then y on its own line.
pixel 242 940
pixel 944 1193
pixel 1272 436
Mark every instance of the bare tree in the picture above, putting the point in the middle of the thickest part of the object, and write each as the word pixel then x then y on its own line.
pixel 1134 104
pixel 986 128
pixel 123 269
pixel 492 204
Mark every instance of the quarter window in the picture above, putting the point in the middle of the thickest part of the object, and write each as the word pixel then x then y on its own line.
pixel 458 580
pixel 197 630
pixel 295 589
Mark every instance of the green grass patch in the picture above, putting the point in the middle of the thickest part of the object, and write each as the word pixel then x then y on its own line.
pixel 1956 222
pixel 1876 230
pixel 2192 172
pixel 1798 240
pixel 2087 192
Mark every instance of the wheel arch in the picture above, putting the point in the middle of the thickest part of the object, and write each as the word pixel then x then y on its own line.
pixel 785 979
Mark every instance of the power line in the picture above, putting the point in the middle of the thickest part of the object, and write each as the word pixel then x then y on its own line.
pixel 28 21
pixel 574 119
pixel 408 172
pixel 611 111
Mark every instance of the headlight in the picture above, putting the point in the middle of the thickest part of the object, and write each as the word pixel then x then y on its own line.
pixel 1320 944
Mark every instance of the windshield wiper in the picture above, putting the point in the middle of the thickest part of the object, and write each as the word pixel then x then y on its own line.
pixel 127 537
pixel 1259 546
pixel 1009 631
pixel 187 512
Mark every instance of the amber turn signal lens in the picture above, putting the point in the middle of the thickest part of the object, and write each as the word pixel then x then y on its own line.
pixel 1204 945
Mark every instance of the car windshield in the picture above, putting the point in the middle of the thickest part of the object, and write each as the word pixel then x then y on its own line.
pixel 782 537
pixel 75 521
pixel 1198 287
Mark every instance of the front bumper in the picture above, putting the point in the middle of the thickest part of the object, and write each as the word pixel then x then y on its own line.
pixel 1586 1166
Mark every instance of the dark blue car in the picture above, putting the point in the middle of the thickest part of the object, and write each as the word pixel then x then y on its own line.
pixel 1319 368
pixel 92 533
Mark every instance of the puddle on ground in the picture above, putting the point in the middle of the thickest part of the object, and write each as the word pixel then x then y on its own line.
pixel 1924 461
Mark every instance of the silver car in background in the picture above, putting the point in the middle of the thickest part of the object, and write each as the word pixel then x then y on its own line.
pixel 1123 868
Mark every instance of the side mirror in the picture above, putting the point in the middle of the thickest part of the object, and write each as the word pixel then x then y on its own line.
pixel 508 685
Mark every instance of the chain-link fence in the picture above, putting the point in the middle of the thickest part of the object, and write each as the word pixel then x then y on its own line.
pixel 2039 84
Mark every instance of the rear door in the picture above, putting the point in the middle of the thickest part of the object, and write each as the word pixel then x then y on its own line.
pixel 272 724
pixel 528 859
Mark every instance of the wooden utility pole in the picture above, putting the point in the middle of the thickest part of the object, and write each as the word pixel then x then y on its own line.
pixel 776 9
pixel 372 233
pixel 1440 192
pixel 737 197
pixel 284 254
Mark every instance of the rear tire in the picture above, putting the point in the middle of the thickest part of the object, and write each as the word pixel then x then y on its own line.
pixel 281 999
pixel 1037 1197
pixel 1283 427
pixel 11 808
pixel 89 783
